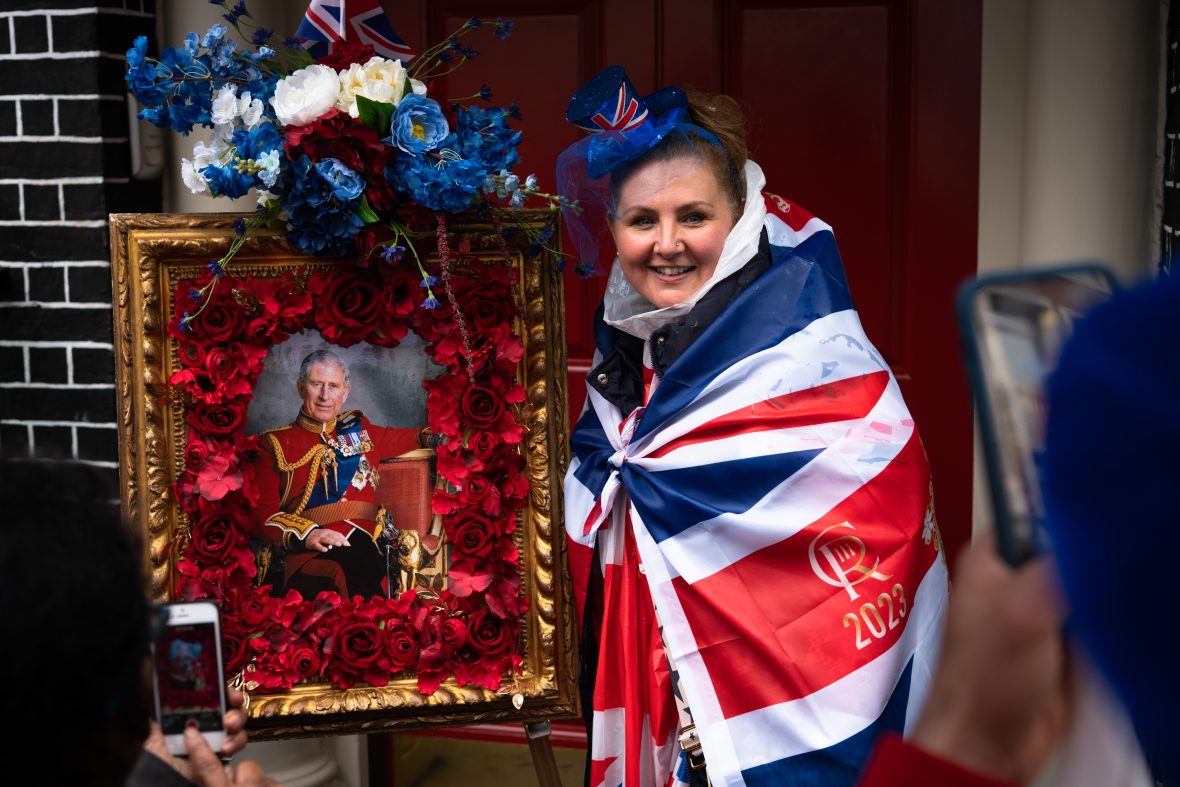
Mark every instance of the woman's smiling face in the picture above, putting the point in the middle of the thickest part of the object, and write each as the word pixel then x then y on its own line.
pixel 670 224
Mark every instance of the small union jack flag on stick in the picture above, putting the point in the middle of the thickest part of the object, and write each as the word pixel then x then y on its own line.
pixel 360 21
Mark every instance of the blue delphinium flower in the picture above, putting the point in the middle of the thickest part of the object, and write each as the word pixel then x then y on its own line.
pixel 346 185
pixel 418 125
pixel 485 133
pixel 213 36
pixel 503 28
pixel 318 222
pixel 392 253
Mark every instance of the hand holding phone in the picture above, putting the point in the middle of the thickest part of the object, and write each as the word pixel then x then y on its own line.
pixel 189 675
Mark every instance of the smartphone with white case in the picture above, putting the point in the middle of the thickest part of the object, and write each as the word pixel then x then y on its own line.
pixel 188 673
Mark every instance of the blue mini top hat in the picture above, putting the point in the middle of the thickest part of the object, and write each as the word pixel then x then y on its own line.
pixel 625 124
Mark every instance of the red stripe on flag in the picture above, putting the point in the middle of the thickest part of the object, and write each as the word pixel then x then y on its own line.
pixel 839 401
pixel 792 214
pixel 632 671
pixel 770 619
pixel 581 564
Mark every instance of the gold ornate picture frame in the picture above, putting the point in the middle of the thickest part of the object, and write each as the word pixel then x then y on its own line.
pixel 500 642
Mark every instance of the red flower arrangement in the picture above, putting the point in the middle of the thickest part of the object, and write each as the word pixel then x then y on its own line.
pixel 470 630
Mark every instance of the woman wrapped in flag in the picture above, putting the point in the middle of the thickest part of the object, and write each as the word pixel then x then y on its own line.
pixel 748 506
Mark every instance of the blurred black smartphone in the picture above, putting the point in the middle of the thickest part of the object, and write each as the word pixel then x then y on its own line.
pixel 1013 326
pixel 189 676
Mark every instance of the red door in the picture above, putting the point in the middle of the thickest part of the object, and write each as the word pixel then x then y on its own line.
pixel 866 113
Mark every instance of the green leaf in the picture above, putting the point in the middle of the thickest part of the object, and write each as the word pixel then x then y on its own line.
pixel 366 213
pixel 375 114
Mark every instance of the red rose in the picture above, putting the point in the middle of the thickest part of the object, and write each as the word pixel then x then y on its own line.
pixel 218 420
pixel 191 354
pixel 220 321
pixel 220 364
pixel 344 54
pixel 473 535
pixel 488 309
pixel 347 308
pixel 257 608
pixel 303 660
pixel 481 407
pixel 402 647
pixel 479 491
pixel 358 652
pixel 453 632
pixel 214 538
pixel 488 635
pixel 483 445
pixel 195 452
pixel 233 645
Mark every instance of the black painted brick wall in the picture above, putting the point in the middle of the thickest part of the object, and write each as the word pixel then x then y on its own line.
pixel 64 165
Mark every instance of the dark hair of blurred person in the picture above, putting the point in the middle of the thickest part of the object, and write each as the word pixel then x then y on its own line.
pixel 76 628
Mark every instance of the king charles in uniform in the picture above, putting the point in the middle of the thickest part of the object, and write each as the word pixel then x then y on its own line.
pixel 318 478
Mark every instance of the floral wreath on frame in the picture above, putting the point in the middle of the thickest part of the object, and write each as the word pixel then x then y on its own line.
pixel 471 629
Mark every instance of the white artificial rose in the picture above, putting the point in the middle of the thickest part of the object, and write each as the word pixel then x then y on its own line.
pixel 378 80
pixel 225 106
pixel 305 95
pixel 194 180
pixel 250 110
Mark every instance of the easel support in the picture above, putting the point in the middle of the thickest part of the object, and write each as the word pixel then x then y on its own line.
pixel 541 748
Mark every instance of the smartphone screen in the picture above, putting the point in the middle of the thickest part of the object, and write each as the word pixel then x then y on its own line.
pixel 1015 326
pixel 187 678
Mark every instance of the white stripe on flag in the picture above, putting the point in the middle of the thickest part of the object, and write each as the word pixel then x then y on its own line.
pixel 851 462
pixel 781 234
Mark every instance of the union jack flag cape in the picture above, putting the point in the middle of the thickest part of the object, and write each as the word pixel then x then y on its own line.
pixel 771 508
pixel 363 21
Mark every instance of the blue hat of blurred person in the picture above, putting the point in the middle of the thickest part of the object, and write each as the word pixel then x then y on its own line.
pixel 622 126
pixel 1112 492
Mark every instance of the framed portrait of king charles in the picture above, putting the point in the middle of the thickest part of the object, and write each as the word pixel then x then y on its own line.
pixel 364 477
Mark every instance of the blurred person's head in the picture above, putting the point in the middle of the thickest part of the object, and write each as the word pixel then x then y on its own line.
pixel 76 633
pixel 1112 485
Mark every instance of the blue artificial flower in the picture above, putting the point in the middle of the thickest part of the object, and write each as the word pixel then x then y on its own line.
pixel 192 42
pixel 392 253
pixel 428 282
pixel 449 182
pixel 530 183
pixel 228 181
pixel 253 143
pixel 262 35
pixel 473 22
pixel 514 111
pixel 418 125
pixel 223 55
pixel 444 56
pixel 345 184
pixel 213 36
pixel 485 133
pixel 137 54
pixel 263 53
pixel 516 200
pixel 215 267
pixel 318 222
pixel 430 303
pixel 503 28
pixel 485 92
pixel 239 227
